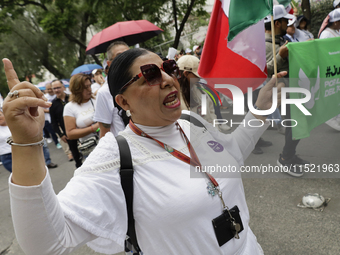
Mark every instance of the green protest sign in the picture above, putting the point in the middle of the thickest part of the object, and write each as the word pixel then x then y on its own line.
pixel 315 66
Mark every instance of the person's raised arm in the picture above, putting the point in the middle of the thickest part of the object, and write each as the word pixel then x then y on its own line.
pixel 23 110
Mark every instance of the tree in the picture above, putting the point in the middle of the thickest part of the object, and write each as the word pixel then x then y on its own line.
pixel 57 25
pixel 53 34
pixel 305 6
pixel 167 14
pixel 181 10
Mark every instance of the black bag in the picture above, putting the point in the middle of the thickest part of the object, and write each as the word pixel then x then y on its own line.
pixel 87 146
pixel 222 225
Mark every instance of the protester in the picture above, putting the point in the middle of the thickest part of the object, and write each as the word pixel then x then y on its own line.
pixel 336 5
pixel 197 51
pixel 179 54
pixel 288 157
pixel 48 129
pixel 192 89
pixel 290 32
pixel 173 212
pixel 301 32
pixel 79 111
pixel 172 52
pixel 331 30
pixel 333 25
pixel 188 51
pixel 99 80
pixel 261 142
pixel 107 114
pixel 57 120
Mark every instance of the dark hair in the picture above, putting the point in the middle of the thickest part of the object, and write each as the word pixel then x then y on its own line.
pixel 57 80
pixel 301 18
pixel 329 24
pixel 119 74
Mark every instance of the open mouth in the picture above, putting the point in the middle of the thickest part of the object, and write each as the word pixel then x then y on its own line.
pixel 171 100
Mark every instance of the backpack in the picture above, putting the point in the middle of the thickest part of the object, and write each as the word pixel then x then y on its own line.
pixel 126 177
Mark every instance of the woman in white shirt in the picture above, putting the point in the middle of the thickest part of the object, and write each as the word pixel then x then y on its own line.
pixel 79 111
pixel 173 212
pixel 333 25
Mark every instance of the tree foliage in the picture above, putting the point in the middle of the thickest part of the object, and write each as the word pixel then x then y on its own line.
pixel 52 34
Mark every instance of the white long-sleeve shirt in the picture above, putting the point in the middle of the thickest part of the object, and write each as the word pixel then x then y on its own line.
pixel 172 208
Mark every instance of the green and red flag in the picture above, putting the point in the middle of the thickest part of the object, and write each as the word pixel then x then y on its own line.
pixel 320 74
pixel 235 42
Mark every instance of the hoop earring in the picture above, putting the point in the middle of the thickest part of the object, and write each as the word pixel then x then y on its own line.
pixel 128 113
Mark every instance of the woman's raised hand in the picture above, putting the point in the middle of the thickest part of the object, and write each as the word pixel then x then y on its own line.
pixel 264 100
pixel 21 108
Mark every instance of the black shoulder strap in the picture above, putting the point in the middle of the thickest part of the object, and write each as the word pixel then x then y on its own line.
pixel 126 176
pixel 192 120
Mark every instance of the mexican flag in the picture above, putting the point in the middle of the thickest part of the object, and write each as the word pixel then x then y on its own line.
pixel 235 44
pixel 320 74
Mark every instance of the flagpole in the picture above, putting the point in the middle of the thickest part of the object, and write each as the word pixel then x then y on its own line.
pixel 273 44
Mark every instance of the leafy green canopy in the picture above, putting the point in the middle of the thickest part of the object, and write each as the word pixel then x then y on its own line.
pixel 53 34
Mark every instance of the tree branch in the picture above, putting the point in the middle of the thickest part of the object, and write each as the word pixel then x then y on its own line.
pixel 184 20
pixel 44 60
pixel 73 39
pixel 174 8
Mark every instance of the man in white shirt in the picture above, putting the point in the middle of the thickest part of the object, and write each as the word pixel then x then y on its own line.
pixel 48 129
pixel 106 113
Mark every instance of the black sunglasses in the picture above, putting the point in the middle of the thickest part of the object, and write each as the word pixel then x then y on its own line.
pixel 153 75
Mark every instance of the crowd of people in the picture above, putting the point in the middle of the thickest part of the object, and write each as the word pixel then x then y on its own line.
pixel 140 96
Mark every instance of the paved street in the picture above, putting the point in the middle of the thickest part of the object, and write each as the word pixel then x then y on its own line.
pixel 280 226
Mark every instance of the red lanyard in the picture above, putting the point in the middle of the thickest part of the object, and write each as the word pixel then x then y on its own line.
pixel 194 161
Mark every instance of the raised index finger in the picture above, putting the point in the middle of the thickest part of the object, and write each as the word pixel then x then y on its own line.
pixel 11 75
